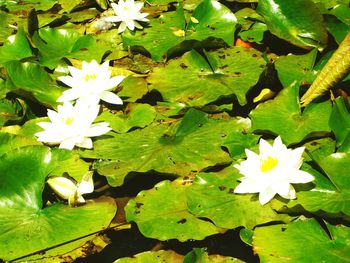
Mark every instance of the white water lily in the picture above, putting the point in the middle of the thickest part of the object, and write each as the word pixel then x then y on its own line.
pixel 272 171
pixel 128 13
pixel 91 84
pixel 69 190
pixel 72 125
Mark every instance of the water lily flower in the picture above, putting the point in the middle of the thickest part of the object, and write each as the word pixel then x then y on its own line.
pixel 127 12
pixel 72 125
pixel 71 191
pixel 272 171
pixel 91 83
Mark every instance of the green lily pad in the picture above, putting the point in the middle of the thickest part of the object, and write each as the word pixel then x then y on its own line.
pixel 168 256
pixel 340 123
pixel 10 111
pixel 55 44
pixel 231 72
pixel 236 143
pixel 169 34
pixel 181 148
pixel 160 35
pixel 133 88
pixel 17 6
pixel 326 197
pixel 299 22
pixel 282 116
pixel 162 213
pixel 137 115
pixel 298 68
pixel 302 241
pixel 15 48
pixel 9 142
pixel 199 255
pixel 212 19
pixel 31 77
pixel 27 227
pixel 211 196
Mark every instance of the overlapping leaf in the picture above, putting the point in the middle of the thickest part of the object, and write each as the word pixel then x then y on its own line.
pixel 229 72
pixel 25 226
pixel 302 241
pixel 212 19
pixel 282 116
pixel 162 213
pixel 212 196
pixel 299 22
pixel 181 148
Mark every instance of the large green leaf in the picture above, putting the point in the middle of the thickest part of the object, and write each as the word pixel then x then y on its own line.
pixel 282 116
pixel 55 44
pixel 302 241
pixel 169 34
pixel 340 123
pixel 18 6
pixel 199 255
pixel 153 256
pixel 31 77
pixel 138 115
pixel 298 68
pixel 10 142
pixel 181 148
pixel 330 199
pixel 214 20
pixel 162 213
pixel 211 196
pixel 160 36
pixel 231 71
pixel 15 48
pixel 299 22
pixel 27 227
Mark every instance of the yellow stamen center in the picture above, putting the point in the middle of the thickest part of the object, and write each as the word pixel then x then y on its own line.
pixel 268 164
pixel 91 76
pixel 68 121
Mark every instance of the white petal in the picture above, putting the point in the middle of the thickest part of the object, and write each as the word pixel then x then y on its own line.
pixel 85 143
pixel 115 81
pixel 68 144
pixel 62 186
pixel 265 148
pixel 68 95
pixel 110 97
pixel 266 195
pixel 247 186
pixel 130 24
pixel 300 177
pixel 112 19
pixel 98 129
pixel 122 27
pixel 86 185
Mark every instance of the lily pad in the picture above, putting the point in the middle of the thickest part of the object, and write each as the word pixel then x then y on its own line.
pixel 138 115
pixel 55 44
pixel 31 77
pixel 282 116
pixel 15 47
pixel 340 123
pixel 299 22
pixel 27 227
pixel 162 213
pixel 181 148
pixel 198 255
pixel 302 241
pixel 231 72
pixel 298 68
pixel 166 256
pixel 169 34
pixel 211 196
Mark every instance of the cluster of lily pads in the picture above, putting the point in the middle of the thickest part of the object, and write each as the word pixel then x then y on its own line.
pixel 187 115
